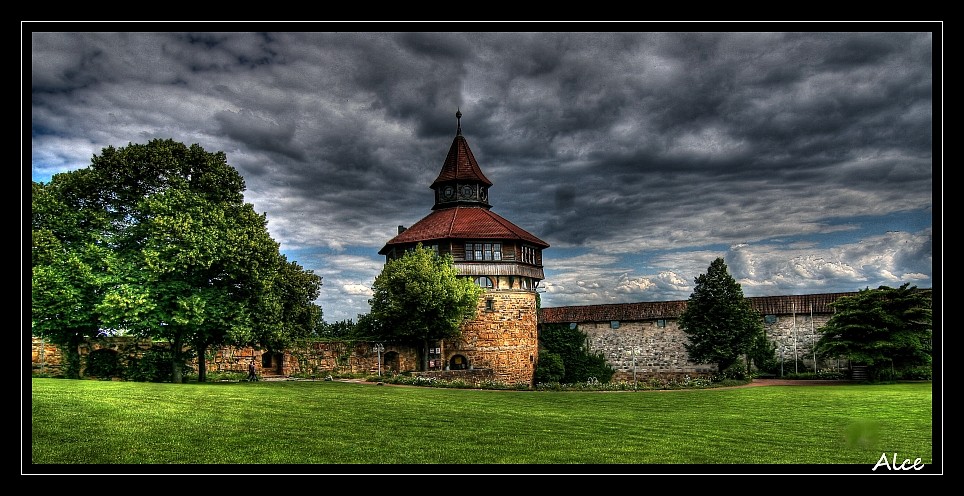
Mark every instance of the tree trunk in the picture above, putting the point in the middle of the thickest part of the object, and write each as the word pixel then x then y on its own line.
pixel 71 365
pixel 424 355
pixel 201 365
pixel 177 374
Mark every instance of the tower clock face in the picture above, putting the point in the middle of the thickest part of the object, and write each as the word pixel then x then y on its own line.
pixel 448 192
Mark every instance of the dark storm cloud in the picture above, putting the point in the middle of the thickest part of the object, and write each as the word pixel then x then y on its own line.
pixel 649 153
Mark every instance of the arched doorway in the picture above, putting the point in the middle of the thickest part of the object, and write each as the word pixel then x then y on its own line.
pixel 273 362
pixel 390 362
pixel 458 362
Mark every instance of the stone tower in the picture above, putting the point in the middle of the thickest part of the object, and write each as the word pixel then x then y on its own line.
pixel 498 255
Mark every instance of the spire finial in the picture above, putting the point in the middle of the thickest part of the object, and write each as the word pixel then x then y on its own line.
pixel 458 116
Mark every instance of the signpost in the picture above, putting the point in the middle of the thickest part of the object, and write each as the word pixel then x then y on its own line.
pixel 379 349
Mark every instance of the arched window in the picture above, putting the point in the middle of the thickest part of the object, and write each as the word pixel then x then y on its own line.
pixel 483 282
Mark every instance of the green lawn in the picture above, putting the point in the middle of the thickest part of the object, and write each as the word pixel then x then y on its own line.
pixel 323 423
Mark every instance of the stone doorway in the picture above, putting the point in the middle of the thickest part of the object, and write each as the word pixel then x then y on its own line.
pixel 458 362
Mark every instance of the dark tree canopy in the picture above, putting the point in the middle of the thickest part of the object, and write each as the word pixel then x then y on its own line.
pixel 719 321
pixel 882 328
pixel 569 360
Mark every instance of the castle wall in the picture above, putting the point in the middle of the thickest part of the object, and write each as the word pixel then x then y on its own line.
pixel 46 358
pixel 643 349
pixel 795 337
pixel 306 358
pixel 503 337
pixel 502 340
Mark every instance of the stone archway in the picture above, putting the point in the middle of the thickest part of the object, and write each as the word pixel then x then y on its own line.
pixel 391 362
pixel 458 362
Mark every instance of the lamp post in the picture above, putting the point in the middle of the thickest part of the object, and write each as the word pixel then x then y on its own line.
pixel 632 352
pixel 379 349
pixel 813 340
pixel 634 367
pixel 796 369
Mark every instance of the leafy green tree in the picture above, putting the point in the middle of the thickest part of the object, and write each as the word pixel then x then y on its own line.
pixel 184 259
pixel 882 328
pixel 763 354
pixel 578 364
pixel 295 316
pixel 337 330
pixel 70 261
pixel 550 368
pixel 718 319
pixel 419 297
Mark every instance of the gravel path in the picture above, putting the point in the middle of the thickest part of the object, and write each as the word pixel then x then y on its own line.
pixel 795 382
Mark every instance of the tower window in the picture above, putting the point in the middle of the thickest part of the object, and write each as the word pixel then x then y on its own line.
pixel 660 322
pixel 489 305
pixel 483 251
pixel 529 254
pixel 483 282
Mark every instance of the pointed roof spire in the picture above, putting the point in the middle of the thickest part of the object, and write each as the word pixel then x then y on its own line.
pixel 458 117
pixel 460 164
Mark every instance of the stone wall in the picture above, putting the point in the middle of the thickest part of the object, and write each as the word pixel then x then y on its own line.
pixel 795 337
pixel 643 349
pixel 502 341
pixel 503 337
pixel 318 358
pixel 46 358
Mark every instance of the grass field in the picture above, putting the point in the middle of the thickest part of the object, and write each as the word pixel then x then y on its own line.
pixel 307 426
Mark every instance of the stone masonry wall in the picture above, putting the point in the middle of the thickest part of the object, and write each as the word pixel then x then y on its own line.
pixel 653 351
pixel 502 341
pixel 46 358
pixel 645 348
pixel 316 358
pixel 503 338
pixel 795 337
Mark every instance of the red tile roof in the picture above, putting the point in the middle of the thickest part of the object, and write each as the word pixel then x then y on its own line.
pixel 460 165
pixel 766 305
pixel 613 311
pixel 463 222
